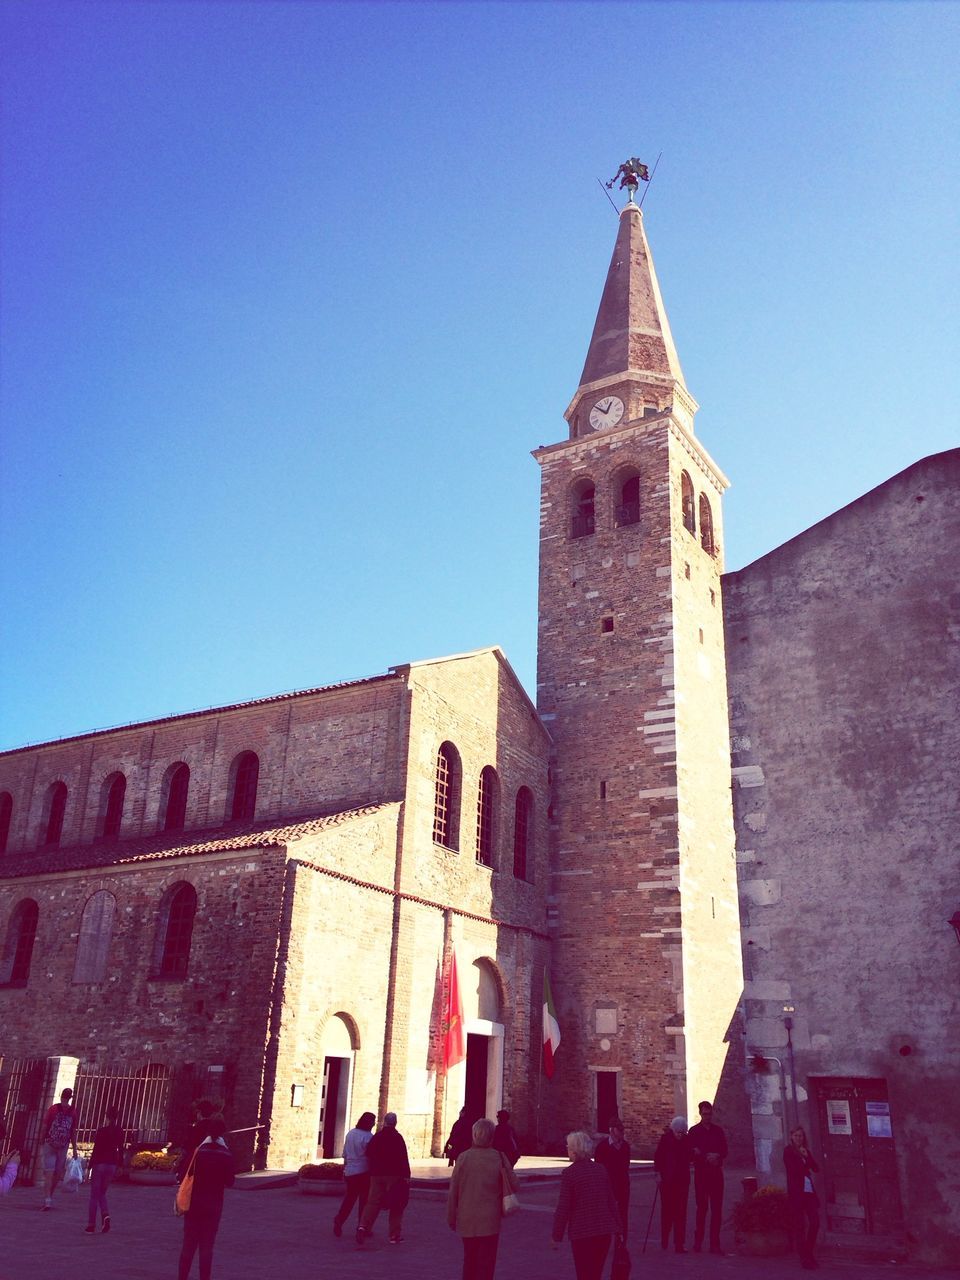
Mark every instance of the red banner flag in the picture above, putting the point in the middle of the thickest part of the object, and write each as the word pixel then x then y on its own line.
pixel 454 1039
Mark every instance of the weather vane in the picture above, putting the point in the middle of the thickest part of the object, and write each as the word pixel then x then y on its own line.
pixel 631 173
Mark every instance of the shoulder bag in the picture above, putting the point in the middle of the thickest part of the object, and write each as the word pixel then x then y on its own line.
pixel 184 1194
pixel 511 1201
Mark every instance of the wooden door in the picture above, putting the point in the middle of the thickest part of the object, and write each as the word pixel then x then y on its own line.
pixel 861 1188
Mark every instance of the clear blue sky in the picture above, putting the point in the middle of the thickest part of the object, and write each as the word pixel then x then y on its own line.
pixel 289 291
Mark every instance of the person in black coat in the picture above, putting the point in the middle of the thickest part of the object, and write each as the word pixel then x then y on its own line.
pixel 672 1164
pixel 709 1145
pixel 613 1154
pixel 804 1205
pixel 213 1172
pixel 389 1180
pixel 461 1136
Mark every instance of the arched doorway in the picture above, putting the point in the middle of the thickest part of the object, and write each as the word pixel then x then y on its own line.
pixel 337 1048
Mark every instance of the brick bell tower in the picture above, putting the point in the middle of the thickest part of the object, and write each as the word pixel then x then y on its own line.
pixel 646 969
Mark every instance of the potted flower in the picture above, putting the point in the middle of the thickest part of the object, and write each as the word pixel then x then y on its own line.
pixel 762 1223
pixel 325 1179
pixel 157 1168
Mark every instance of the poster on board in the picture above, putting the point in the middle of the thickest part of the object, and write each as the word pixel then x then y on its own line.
pixel 838 1116
pixel 878 1120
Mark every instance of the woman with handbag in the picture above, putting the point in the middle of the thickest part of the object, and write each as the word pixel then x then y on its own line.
pixel 208 1175
pixel 586 1210
pixel 482 1179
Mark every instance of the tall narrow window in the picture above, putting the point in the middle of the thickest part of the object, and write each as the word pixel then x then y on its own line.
pixel 687 503
pixel 18 946
pixel 706 526
pixel 55 808
pixel 583 521
pixel 96 931
pixel 488 796
pixel 522 833
pixel 628 508
pixel 175 931
pixel 446 804
pixel 6 815
pixel 246 775
pixel 110 817
pixel 176 784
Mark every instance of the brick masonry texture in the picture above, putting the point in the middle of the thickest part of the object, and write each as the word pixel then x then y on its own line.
pixel 644 911
pixel 319 925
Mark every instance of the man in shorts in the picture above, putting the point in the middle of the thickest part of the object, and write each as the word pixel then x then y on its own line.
pixel 59 1132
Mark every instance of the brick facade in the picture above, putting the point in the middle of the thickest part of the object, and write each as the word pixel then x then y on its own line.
pixel 321 925
pixel 632 686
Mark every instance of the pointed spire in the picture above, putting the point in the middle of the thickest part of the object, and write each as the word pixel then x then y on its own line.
pixel 632 333
pixel 631 339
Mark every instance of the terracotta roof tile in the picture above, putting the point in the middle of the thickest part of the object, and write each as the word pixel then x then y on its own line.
pixel 168 845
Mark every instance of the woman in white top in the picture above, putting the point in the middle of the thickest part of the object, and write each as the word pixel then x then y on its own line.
pixel 356 1171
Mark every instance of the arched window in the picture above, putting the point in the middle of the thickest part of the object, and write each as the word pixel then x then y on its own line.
pixel 446 803
pixel 6 815
pixel 689 508
pixel 628 505
pixel 54 811
pixel 175 931
pixel 583 521
pixel 523 833
pixel 93 944
pixel 176 784
pixel 110 817
pixel 488 806
pixel 706 526
pixel 246 775
pixel 18 946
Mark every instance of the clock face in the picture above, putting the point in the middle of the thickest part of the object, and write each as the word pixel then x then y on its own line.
pixel 606 412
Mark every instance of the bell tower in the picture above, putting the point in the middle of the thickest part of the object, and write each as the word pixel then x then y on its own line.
pixel 631 681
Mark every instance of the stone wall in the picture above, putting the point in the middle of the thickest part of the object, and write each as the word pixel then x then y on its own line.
pixel 844 669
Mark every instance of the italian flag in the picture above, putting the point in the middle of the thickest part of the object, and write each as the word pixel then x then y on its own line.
pixel 551 1028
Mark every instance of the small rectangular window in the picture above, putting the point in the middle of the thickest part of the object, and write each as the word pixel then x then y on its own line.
pixel 603 790
pixel 606 625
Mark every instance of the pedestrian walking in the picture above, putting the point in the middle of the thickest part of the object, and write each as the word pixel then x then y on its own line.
pixel 586 1210
pixel 483 1175
pixel 800 1167
pixel 58 1133
pixel 505 1138
pixel 203 1112
pixel 356 1170
pixel 106 1158
pixel 613 1154
pixel 213 1172
pixel 460 1136
pixel 708 1143
pixel 389 1180
pixel 671 1162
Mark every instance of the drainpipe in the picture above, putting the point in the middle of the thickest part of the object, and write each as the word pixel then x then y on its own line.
pixel 788 1023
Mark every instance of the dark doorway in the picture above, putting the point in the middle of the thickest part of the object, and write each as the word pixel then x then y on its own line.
pixel 862 1191
pixel 607 1105
pixel 475 1092
pixel 333 1106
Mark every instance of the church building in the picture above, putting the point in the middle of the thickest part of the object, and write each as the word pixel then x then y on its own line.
pixel 725 832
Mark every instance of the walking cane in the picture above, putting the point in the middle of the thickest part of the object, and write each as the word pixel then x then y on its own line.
pixel 650 1219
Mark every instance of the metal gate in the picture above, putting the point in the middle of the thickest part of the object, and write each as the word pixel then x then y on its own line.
pixel 140 1094
pixel 21 1092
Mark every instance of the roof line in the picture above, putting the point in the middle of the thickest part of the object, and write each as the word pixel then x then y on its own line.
pixel 203 711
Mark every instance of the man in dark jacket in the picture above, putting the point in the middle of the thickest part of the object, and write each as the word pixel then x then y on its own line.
pixel 709 1145
pixel 672 1164
pixel 213 1172
pixel 389 1180
pixel 613 1153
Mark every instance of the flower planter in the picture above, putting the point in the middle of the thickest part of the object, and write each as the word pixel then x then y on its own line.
pixel 763 1244
pixel 153 1177
pixel 321 1186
